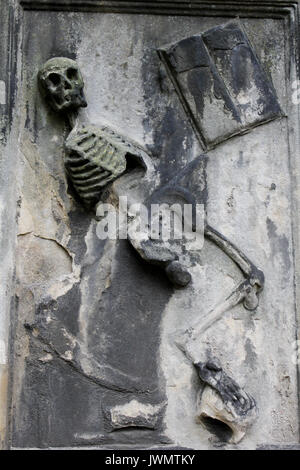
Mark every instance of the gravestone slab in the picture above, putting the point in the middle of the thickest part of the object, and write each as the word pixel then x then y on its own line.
pixel 125 343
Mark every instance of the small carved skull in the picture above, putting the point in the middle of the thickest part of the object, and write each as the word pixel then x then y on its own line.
pixel 62 84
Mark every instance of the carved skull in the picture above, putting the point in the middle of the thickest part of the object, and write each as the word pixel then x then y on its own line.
pixel 62 84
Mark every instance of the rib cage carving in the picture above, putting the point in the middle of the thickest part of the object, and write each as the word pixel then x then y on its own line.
pixel 94 157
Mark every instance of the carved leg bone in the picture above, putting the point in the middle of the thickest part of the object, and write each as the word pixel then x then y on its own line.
pixel 246 292
pixel 240 294
pixel 222 404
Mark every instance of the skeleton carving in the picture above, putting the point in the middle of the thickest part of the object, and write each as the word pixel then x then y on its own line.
pixel 95 157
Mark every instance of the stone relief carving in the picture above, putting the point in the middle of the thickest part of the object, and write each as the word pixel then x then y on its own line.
pixel 95 157
pixel 223 401
pixel 61 84
pixel 224 92
pixel 219 80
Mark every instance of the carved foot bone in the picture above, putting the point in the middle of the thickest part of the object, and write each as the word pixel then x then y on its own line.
pixel 223 406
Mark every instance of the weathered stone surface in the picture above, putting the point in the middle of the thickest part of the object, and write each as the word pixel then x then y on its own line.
pixel 62 84
pixel 134 414
pixel 223 405
pixel 9 169
pixel 219 79
pixel 177 274
pixel 96 333
pixel 221 419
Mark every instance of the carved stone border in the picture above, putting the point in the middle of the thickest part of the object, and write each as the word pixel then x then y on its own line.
pixel 265 8
pixel 286 10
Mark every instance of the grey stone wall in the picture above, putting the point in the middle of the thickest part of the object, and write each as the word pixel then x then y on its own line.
pixel 9 167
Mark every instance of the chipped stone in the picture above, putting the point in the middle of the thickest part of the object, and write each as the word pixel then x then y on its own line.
pixel 134 414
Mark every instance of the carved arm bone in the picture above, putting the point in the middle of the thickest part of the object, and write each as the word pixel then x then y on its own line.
pixel 255 277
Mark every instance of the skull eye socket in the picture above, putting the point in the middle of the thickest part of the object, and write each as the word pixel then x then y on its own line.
pixel 72 73
pixel 54 79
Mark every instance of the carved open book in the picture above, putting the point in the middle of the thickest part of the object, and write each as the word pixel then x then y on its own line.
pixel 221 83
